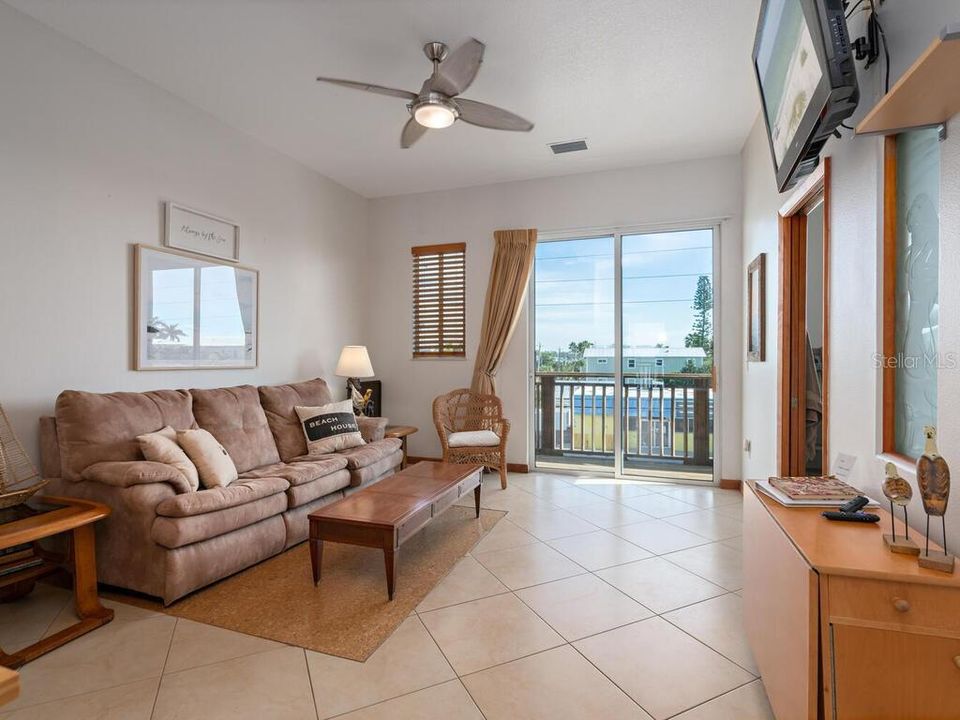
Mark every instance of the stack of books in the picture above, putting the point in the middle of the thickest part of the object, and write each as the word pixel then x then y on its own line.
pixel 18 557
pixel 813 491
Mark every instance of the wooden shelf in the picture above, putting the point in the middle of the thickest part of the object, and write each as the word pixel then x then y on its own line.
pixel 927 94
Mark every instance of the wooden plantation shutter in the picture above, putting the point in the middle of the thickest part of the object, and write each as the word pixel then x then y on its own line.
pixel 439 300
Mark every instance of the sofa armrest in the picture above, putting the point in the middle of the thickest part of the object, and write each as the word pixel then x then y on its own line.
pixel 136 472
pixel 502 428
pixel 372 428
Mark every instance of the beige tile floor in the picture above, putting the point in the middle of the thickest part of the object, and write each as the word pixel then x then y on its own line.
pixel 591 598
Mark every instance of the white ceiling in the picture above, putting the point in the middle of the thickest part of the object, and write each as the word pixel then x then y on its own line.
pixel 645 81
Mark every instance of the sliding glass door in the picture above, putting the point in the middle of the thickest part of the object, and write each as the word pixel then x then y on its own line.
pixel 667 354
pixel 574 314
pixel 623 353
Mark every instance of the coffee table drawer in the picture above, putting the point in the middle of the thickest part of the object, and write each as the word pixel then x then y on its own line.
pixel 469 484
pixel 446 500
pixel 416 521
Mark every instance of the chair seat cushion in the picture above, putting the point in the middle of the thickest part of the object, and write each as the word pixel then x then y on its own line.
pixel 473 438
pixel 210 500
pixel 301 470
pixel 365 455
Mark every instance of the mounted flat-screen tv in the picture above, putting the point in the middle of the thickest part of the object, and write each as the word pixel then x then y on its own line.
pixel 807 79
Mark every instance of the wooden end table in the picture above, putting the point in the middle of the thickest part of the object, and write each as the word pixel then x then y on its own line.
pixel 402 432
pixel 51 516
pixel 390 512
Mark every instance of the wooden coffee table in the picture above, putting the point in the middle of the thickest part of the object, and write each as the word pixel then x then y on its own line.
pixel 389 513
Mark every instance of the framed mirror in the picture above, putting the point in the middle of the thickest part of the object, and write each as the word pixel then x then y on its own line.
pixel 193 312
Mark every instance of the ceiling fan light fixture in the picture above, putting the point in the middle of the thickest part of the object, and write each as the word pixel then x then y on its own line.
pixel 434 115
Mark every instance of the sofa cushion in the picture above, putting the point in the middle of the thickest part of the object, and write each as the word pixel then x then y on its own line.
pixel 174 532
pixel 94 427
pixel 372 428
pixel 360 457
pixel 305 493
pixel 376 471
pixel 279 402
pixel 302 470
pixel 220 498
pixel 235 417
pixel 136 472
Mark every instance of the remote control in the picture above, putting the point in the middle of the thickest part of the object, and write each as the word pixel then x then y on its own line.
pixel 855 505
pixel 851 516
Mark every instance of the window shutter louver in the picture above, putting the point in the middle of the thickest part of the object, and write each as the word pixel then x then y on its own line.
pixel 439 300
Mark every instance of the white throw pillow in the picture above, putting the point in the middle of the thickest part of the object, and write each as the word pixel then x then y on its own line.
pixel 211 458
pixel 161 446
pixel 473 438
pixel 329 428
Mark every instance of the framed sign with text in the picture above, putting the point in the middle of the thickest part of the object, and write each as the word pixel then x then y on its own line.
pixel 199 232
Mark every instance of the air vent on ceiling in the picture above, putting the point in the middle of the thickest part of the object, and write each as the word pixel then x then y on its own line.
pixel 569 146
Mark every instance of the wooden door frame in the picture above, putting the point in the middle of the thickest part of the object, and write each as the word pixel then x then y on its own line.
pixel 791 322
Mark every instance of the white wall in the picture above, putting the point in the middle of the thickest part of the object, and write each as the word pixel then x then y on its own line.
pixel 678 192
pixel 855 254
pixel 88 151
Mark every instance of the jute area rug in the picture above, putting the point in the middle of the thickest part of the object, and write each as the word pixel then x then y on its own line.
pixel 348 613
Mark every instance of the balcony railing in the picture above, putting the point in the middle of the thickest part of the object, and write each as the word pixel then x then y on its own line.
pixel 667 417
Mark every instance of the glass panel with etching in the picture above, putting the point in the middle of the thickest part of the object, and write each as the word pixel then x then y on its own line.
pixel 917 296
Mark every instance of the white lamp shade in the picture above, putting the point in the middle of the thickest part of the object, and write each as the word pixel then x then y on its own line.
pixel 354 362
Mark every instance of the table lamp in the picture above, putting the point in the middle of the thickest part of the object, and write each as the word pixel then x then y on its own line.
pixel 355 364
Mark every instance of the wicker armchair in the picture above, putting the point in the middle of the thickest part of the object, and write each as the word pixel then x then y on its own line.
pixel 462 411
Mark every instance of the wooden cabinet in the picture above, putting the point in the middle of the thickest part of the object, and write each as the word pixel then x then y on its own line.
pixel 841 628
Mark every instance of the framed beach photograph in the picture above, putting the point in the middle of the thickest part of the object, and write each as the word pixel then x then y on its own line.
pixel 193 312
pixel 199 232
pixel 756 302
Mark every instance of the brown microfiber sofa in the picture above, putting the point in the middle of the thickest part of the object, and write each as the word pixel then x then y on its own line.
pixel 165 540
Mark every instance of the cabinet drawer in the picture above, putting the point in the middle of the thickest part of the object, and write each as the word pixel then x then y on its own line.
pixel 414 523
pixel 903 605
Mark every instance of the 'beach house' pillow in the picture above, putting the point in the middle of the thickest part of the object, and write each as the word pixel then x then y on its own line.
pixel 329 428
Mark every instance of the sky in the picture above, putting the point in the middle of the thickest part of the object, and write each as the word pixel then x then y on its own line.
pixel 220 320
pixel 574 289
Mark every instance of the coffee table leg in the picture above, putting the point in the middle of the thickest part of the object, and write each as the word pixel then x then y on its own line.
pixel 316 558
pixel 389 561
pixel 476 499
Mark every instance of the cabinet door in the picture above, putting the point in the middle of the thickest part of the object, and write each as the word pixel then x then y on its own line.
pixel 890 675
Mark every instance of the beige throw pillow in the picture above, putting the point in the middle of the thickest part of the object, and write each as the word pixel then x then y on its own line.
pixel 329 428
pixel 161 446
pixel 212 460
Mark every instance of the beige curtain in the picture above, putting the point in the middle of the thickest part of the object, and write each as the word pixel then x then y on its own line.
pixel 509 276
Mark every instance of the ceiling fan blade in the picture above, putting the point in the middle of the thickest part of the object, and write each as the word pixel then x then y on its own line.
pixel 369 87
pixel 455 74
pixel 490 116
pixel 412 132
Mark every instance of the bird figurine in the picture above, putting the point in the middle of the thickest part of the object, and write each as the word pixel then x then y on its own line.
pixel 933 477
pixel 898 492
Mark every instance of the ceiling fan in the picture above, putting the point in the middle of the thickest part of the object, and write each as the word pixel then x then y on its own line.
pixel 437 105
